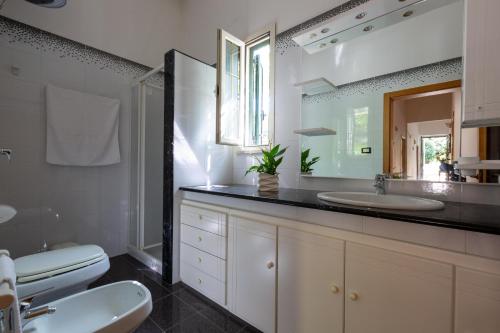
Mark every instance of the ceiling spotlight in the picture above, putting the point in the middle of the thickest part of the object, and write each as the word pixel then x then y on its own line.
pixel 408 13
pixel 333 41
pixel 368 28
pixel 325 30
pixel 360 15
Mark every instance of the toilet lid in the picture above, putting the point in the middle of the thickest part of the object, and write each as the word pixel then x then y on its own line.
pixel 45 264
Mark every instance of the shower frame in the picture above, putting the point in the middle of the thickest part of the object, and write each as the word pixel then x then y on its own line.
pixel 139 250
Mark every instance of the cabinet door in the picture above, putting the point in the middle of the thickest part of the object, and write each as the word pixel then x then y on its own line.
pixel 388 292
pixel 482 68
pixel 252 259
pixel 310 283
pixel 477 302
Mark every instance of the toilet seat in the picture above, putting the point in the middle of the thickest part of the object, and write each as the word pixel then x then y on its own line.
pixel 46 264
pixel 59 273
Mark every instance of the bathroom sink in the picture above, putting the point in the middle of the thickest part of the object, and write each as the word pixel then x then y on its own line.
pixel 6 213
pixel 114 308
pixel 387 201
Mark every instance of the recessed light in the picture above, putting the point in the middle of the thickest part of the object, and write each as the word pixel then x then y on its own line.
pixel 368 28
pixel 325 30
pixel 360 15
pixel 333 41
pixel 322 45
pixel 408 13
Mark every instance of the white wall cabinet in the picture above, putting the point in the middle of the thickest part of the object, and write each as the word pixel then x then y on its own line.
pixel 477 303
pixel 252 260
pixel 482 66
pixel 388 292
pixel 310 283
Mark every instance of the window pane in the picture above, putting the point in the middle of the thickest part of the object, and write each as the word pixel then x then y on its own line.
pixel 231 97
pixel 258 90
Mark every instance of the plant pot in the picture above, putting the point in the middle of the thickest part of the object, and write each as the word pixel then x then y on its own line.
pixel 306 173
pixel 268 183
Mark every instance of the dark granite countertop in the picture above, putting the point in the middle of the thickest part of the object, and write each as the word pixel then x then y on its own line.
pixel 464 216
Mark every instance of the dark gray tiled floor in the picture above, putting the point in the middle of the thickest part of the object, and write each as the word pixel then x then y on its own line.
pixel 176 308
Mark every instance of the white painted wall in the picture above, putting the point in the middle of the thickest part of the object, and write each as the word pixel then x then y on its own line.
pixel 202 18
pixel 140 31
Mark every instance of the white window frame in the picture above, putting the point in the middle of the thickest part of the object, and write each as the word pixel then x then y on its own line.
pixel 269 30
pixel 222 38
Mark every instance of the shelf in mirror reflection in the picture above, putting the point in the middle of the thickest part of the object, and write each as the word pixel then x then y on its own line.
pixel 319 131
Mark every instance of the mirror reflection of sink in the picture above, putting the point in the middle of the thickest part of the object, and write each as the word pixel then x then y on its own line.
pixel 387 201
pixel 6 213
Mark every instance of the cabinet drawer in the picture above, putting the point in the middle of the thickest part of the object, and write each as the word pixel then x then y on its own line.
pixel 203 240
pixel 204 262
pixel 204 283
pixel 204 219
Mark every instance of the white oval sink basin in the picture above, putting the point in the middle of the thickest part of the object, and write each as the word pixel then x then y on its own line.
pixel 114 308
pixel 387 201
pixel 7 213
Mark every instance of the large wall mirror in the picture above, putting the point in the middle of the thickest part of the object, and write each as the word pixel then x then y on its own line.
pixel 384 95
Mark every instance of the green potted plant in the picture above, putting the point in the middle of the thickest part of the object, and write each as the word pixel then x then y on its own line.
pixel 305 165
pixel 267 168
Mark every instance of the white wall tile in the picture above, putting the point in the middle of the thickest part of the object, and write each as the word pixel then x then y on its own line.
pixel 58 203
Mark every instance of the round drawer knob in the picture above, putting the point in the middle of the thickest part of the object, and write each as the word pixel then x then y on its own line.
pixel 334 289
pixel 200 239
pixel 199 281
pixel 199 259
pixel 270 264
pixel 354 296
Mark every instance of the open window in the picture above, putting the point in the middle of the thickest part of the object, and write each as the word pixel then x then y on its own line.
pixel 245 90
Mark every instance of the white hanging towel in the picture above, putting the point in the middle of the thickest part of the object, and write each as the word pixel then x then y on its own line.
pixel 8 293
pixel 82 129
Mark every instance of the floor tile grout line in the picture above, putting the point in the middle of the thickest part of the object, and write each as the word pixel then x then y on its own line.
pixel 154 322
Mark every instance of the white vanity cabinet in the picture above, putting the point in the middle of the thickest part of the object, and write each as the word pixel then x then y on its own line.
pixel 389 292
pixel 288 276
pixel 310 283
pixel 203 251
pixel 481 64
pixel 477 302
pixel 252 264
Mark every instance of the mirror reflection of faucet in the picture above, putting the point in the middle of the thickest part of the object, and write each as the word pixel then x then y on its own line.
pixel 379 183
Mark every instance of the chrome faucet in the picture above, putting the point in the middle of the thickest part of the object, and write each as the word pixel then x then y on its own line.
pixel 28 314
pixel 6 152
pixel 379 183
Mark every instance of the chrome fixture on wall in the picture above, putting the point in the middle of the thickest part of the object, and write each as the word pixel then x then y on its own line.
pixel 49 3
pixel 6 152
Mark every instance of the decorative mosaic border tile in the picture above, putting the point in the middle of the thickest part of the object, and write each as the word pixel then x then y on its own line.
pixel 41 41
pixel 437 72
pixel 284 39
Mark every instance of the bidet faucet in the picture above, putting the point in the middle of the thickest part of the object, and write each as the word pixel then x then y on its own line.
pixel 379 183
pixel 29 314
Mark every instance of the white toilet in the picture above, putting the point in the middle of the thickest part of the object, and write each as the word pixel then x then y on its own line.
pixel 59 273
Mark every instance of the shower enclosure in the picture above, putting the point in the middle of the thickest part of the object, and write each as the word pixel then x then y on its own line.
pixel 146 194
